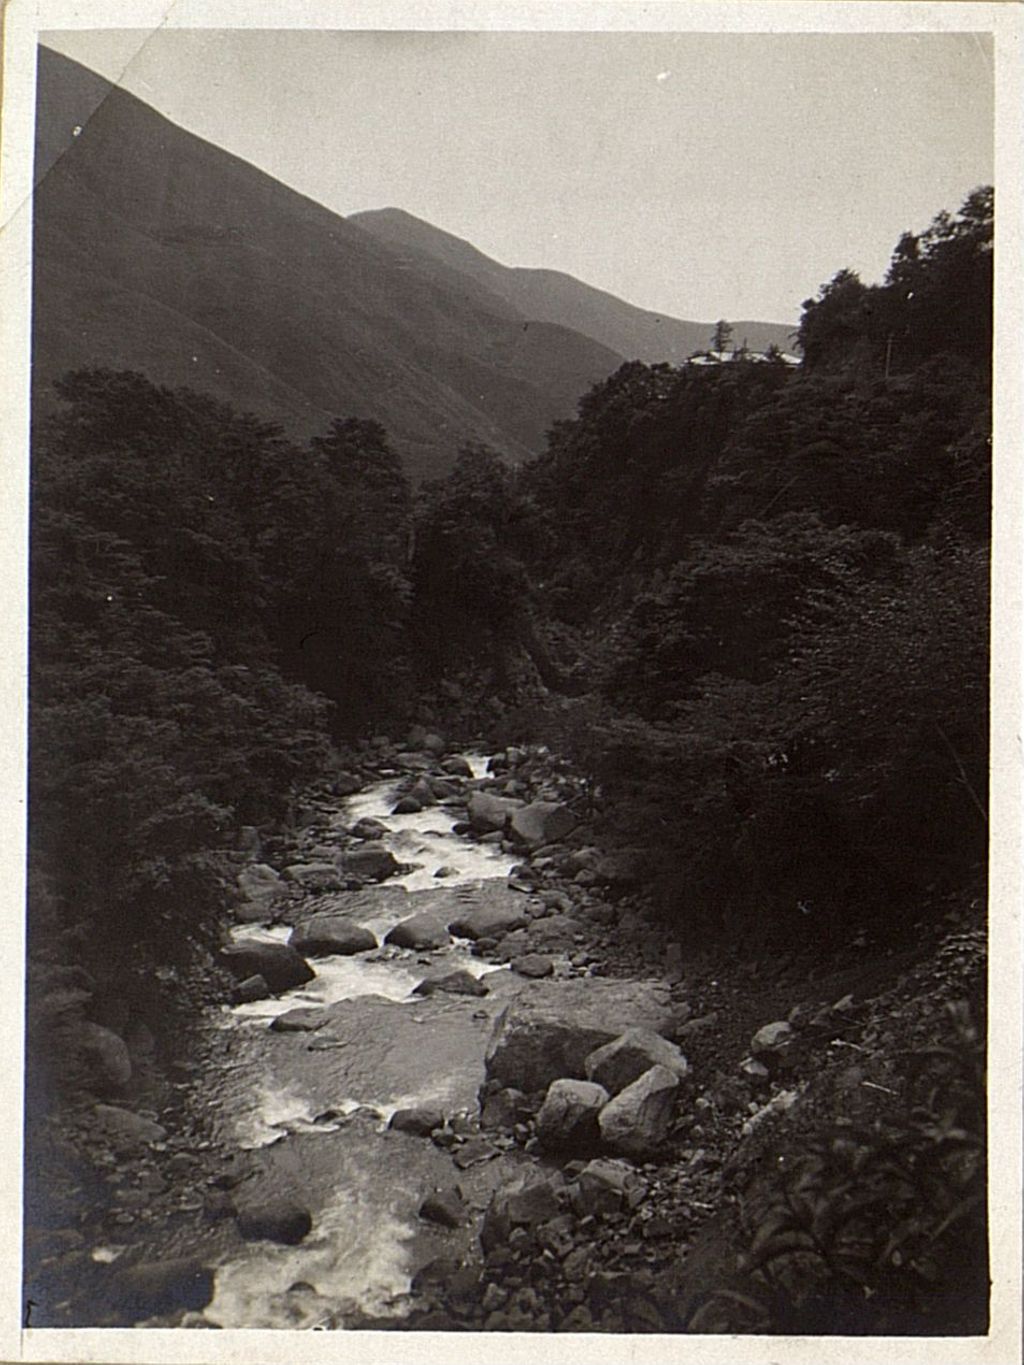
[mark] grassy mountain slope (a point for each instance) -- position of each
(159, 252)
(553, 296)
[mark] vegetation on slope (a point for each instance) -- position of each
(751, 603)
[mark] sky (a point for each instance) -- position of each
(700, 175)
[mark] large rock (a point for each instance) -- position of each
(368, 828)
(251, 989)
(281, 967)
(625, 1059)
(370, 863)
(636, 1121)
(314, 876)
(550, 1029)
(260, 883)
(420, 1121)
(457, 766)
(491, 919)
(568, 1116)
(488, 813)
(126, 1128)
(542, 822)
(459, 982)
(604, 1187)
(155, 1288)
(324, 935)
(419, 932)
(106, 1056)
(273, 1219)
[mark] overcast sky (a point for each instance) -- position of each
(702, 175)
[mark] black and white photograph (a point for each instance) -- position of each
(519, 834)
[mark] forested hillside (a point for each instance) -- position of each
(749, 603)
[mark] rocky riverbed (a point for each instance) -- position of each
(460, 1081)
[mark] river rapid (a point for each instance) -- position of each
(311, 1109)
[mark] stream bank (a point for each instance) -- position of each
(353, 1153)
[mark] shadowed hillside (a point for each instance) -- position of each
(158, 252)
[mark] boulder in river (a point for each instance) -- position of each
(489, 814)
(281, 967)
(321, 876)
(622, 1061)
(496, 912)
(636, 1121)
(451, 983)
(419, 932)
(534, 965)
(368, 828)
(251, 989)
(568, 1116)
(542, 822)
(370, 863)
(273, 1219)
(326, 935)
(457, 766)
(406, 805)
(420, 1121)
(550, 1029)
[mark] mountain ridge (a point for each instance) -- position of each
(636, 333)
(282, 307)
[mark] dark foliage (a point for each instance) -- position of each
(782, 578)
(193, 576)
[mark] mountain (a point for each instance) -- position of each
(158, 252)
(551, 296)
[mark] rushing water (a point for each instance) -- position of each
(313, 1108)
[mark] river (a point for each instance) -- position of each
(312, 1109)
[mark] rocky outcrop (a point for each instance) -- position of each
(568, 1116)
(281, 966)
(636, 1121)
(326, 935)
(625, 1059)
(549, 1031)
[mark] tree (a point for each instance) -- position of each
(721, 337)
